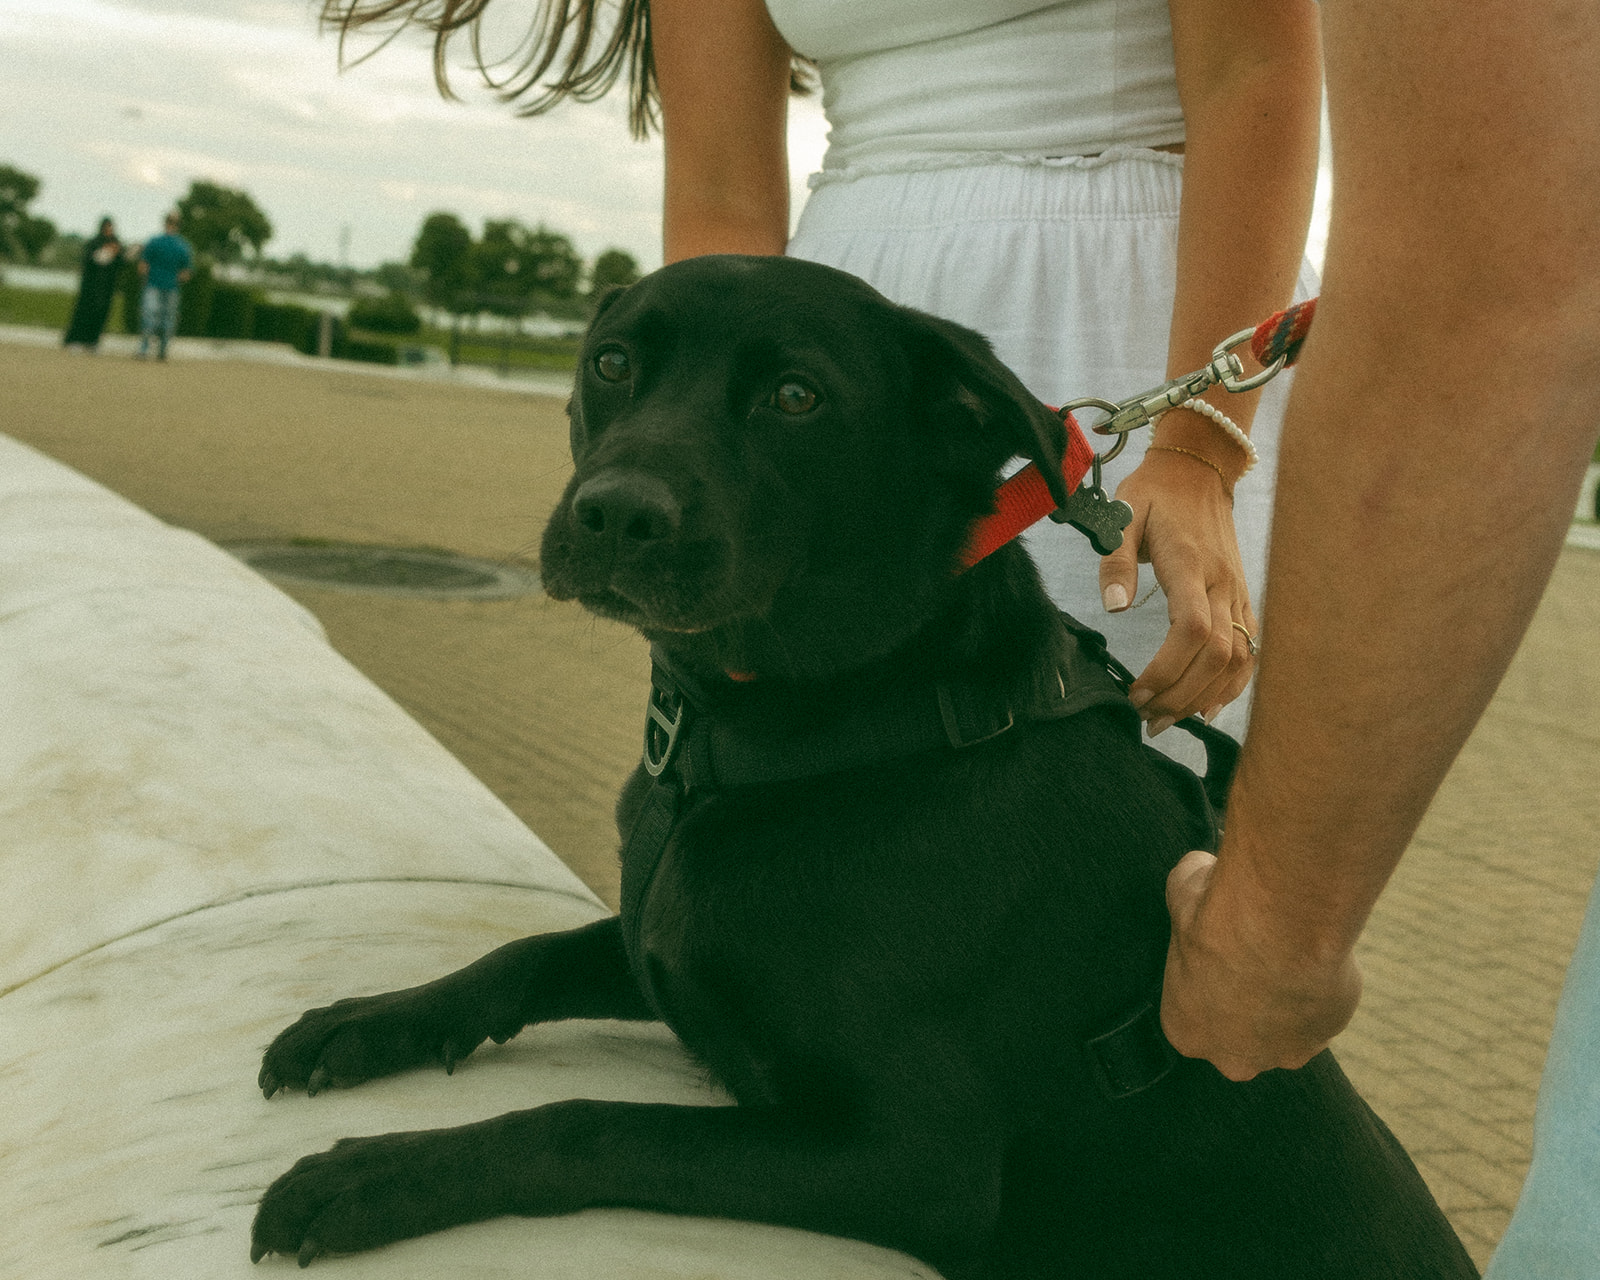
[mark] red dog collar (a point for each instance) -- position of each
(1024, 499)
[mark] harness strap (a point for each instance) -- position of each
(734, 750)
(648, 838)
(1222, 749)
(1133, 1056)
(693, 757)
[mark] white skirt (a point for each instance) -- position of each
(1068, 267)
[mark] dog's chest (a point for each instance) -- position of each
(781, 934)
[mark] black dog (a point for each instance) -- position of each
(893, 865)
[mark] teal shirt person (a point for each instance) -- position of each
(167, 256)
(164, 263)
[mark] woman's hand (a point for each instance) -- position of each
(1183, 527)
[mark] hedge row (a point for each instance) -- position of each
(213, 308)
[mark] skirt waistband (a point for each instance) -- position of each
(1123, 183)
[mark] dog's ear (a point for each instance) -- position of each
(959, 377)
(611, 294)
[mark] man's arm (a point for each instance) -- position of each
(1441, 420)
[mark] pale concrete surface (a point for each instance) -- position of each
(210, 821)
(541, 701)
(1464, 956)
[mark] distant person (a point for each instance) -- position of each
(164, 264)
(102, 259)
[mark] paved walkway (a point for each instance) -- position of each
(1463, 958)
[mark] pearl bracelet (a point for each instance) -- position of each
(1235, 433)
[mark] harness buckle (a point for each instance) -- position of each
(662, 728)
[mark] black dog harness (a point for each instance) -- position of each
(691, 753)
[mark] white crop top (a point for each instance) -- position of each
(914, 84)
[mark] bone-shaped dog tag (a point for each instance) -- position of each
(1097, 517)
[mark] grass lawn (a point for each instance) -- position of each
(50, 309)
(559, 354)
(42, 308)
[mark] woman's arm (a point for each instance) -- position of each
(1249, 78)
(1445, 408)
(722, 71)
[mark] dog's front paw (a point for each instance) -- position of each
(366, 1192)
(371, 1036)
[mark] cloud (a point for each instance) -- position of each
(119, 104)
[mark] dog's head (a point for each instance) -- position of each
(779, 463)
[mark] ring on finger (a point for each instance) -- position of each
(1255, 646)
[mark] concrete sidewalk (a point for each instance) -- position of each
(1464, 956)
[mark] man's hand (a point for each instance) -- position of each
(1238, 994)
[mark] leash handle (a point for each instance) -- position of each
(1280, 336)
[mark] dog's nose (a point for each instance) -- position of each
(628, 506)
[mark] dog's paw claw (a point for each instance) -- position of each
(319, 1081)
(450, 1059)
(258, 1252)
(310, 1250)
(269, 1083)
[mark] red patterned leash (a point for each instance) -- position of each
(1024, 499)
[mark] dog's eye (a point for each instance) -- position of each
(613, 365)
(794, 397)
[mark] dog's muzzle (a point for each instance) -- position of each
(623, 512)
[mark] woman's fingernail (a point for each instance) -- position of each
(1115, 598)
(1158, 727)
(1139, 697)
(1212, 713)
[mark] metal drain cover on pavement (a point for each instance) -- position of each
(406, 571)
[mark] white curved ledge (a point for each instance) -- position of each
(209, 822)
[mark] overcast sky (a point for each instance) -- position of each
(117, 105)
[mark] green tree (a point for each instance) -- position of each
(501, 269)
(397, 277)
(65, 252)
(22, 234)
(391, 314)
(613, 269)
(442, 254)
(515, 269)
(221, 223)
(556, 266)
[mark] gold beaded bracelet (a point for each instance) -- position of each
(1200, 457)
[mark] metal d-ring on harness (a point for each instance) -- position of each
(1275, 345)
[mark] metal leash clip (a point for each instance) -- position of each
(1101, 518)
(1122, 416)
